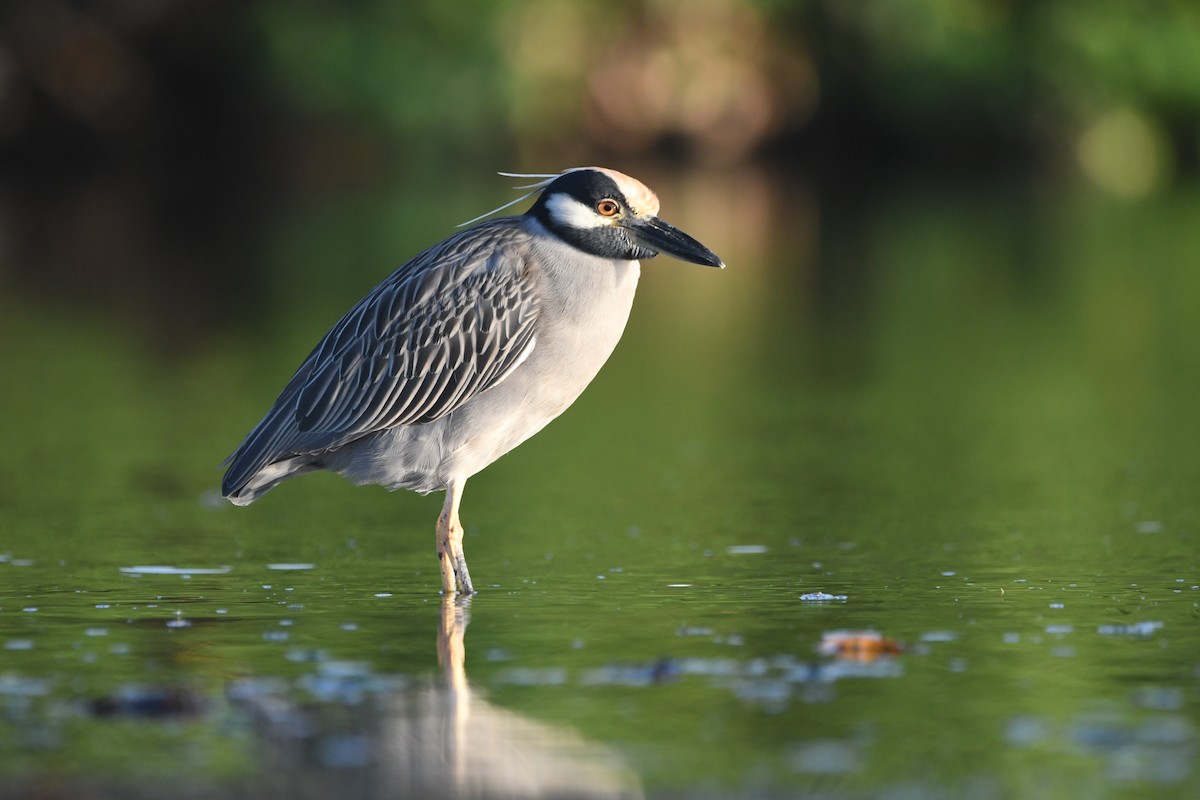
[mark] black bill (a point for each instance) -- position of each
(663, 237)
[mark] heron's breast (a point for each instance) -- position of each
(577, 332)
(579, 328)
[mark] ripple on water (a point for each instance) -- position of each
(1141, 630)
(160, 569)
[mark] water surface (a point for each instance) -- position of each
(960, 423)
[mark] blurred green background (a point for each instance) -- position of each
(950, 374)
(146, 148)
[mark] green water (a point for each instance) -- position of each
(970, 414)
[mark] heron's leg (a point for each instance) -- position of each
(444, 554)
(456, 542)
(451, 557)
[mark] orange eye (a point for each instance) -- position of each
(607, 208)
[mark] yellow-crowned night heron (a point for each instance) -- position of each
(467, 350)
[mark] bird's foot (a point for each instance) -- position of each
(463, 575)
(456, 578)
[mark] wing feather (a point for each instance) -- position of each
(444, 327)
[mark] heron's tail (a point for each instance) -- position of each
(243, 488)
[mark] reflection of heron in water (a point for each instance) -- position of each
(432, 740)
(448, 741)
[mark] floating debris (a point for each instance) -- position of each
(858, 645)
(823, 597)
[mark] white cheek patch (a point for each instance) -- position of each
(566, 210)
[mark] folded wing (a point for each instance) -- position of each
(446, 326)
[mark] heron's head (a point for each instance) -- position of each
(609, 214)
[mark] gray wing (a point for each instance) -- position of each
(444, 327)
